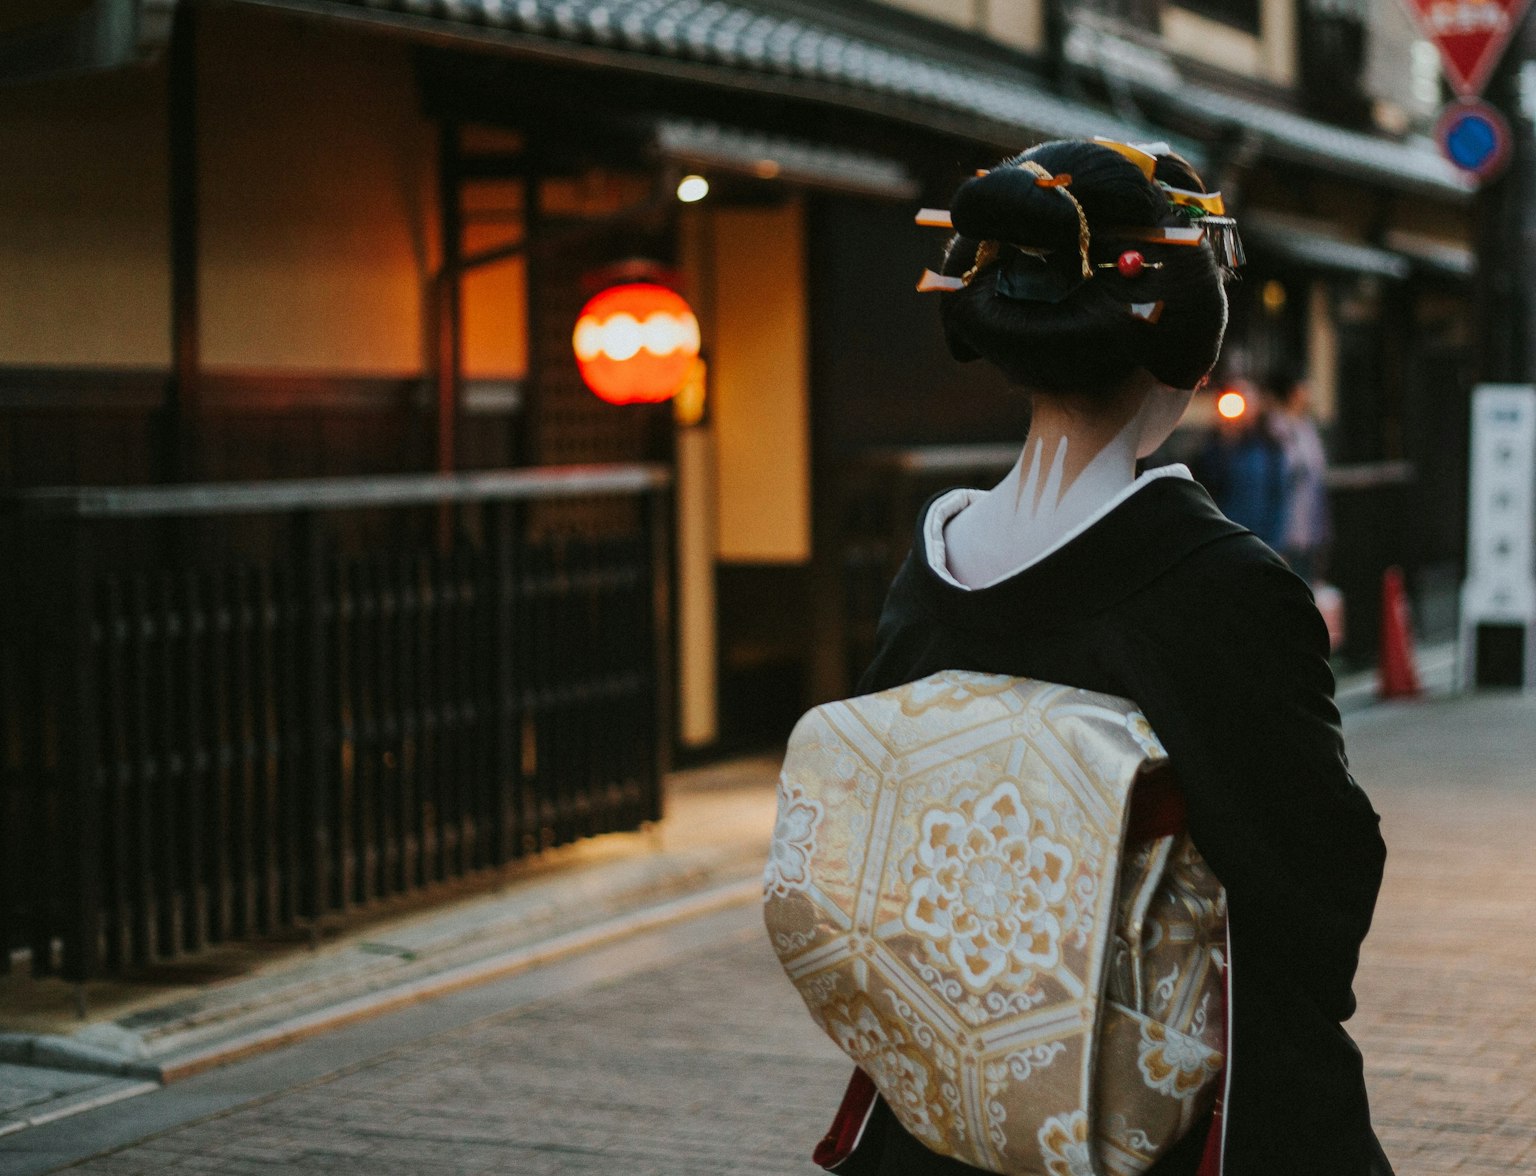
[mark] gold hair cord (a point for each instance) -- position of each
(986, 254)
(1040, 174)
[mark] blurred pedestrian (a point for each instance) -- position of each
(1245, 467)
(1308, 521)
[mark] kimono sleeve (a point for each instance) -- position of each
(1243, 701)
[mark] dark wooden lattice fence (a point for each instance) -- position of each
(232, 710)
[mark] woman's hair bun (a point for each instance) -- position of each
(1087, 341)
(1008, 204)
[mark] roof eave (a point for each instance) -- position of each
(966, 125)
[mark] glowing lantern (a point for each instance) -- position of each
(636, 343)
(1231, 405)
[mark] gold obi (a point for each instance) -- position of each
(950, 891)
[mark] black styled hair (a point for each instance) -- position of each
(1088, 343)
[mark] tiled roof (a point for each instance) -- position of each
(1149, 75)
(1413, 164)
(734, 42)
(758, 47)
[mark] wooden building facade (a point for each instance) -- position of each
(259, 240)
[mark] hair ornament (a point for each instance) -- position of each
(1131, 264)
(1044, 179)
(1225, 242)
(986, 253)
(1200, 204)
(932, 283)
(1026, 275)
(1143, 155)
(1029, 275)
(1161, 236)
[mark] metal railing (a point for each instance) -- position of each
(235, 710)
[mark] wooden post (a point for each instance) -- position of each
(449, 299)
(525, 442)
(179, 460)
(68, 620)
(315, 722)
(656, 517)
(503, 522)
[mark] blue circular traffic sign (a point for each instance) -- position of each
(1474, 137)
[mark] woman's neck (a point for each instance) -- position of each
(1069, 456)
(1072, 464)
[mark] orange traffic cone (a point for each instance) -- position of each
(1397, 676)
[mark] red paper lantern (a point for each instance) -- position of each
(636, 343)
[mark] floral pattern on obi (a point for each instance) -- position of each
(1146, 738)
(1064, 1145)
(1174, 1064)
(950, 894)
(951, 690)
(989, 888)
(794, 842)
(885, 1049)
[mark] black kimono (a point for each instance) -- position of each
(1166, 602)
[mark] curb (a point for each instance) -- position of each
(57, 1052)
(433, 941)
(1437, 666)
(184, 1065)
(79, 1106)
(495, 967)
(53, 1051)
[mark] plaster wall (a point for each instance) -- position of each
(1016, 23)
(320, 210)
(1270, 56)
(1323, 352)
(760, 386)
(956, 12)
(84, 237)
(318, 214)
(317, 200)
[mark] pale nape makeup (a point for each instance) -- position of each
(1072, 464)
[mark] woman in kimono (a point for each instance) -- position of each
(1072, 270)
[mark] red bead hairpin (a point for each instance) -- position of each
(1131, 263)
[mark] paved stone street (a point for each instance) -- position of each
(1447, 1015)
(711, 1066)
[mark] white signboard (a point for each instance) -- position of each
(1501, 527)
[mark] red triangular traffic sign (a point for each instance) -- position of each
(1471, 36)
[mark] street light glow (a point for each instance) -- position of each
(691, 189)
(1231, 405)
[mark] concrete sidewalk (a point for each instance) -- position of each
(245, 998)
(1447, 1010)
